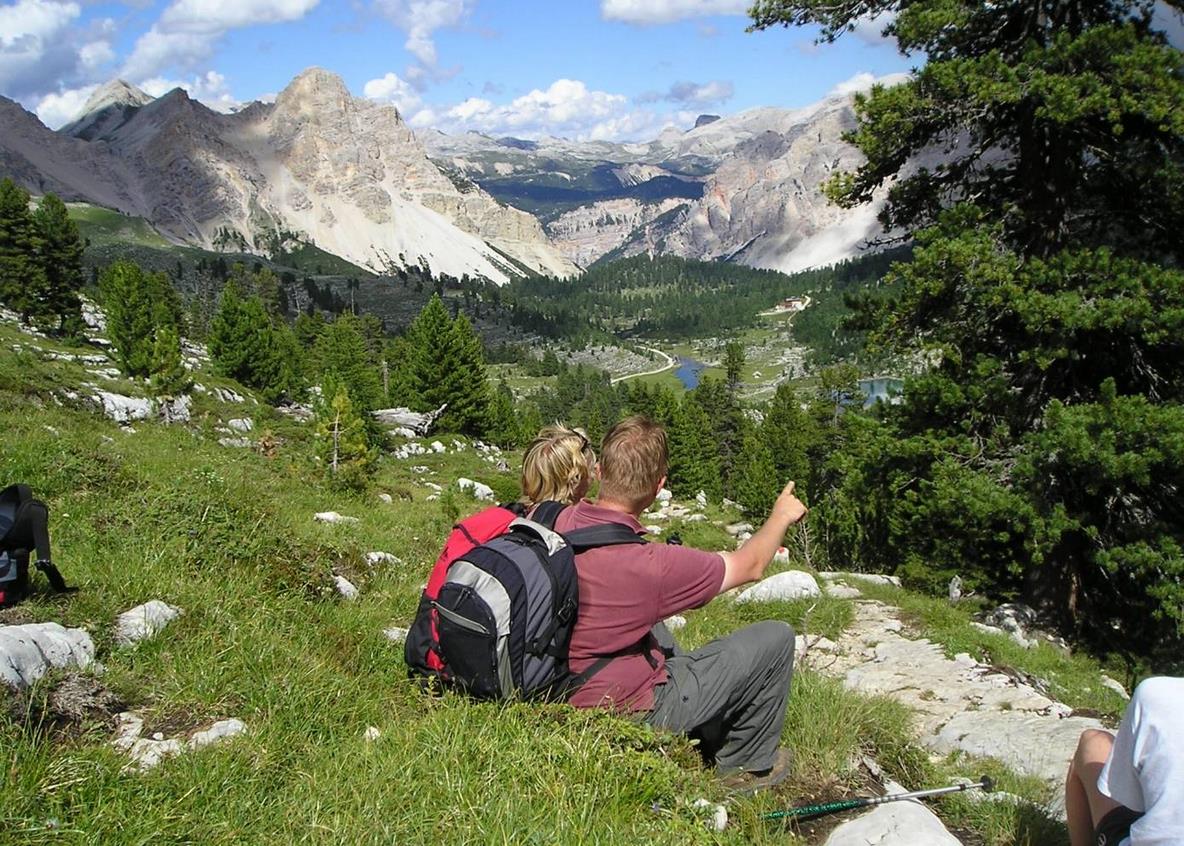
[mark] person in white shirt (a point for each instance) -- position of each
(1128, 789)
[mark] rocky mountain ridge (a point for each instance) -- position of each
(318, 166)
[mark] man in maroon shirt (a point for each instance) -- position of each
(730, 694)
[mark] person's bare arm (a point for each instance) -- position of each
(748, 563)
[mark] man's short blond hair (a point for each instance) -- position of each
(557, 465)
(633, 459)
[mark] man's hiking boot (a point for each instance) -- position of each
(743, 783)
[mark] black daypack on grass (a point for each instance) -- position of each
(24, 529)
(507, 609)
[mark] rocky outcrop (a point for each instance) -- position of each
(317, 166)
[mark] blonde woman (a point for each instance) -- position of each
(558, 465)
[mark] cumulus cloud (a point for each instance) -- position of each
(419, 19)
(692, 93)
(392, 89)
(871, 30)
(188, 30)
(863, 82)
(58, 109)
(668, 11)
(209, 88)
(568, 108)
(44, 50)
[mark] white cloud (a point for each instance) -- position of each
(863, 82)
(209, 89)
(667, 11)
(568, 108)
(419, 19)
(95, 54)
(871, 30)
(1170, 21)
(392, 89)
(692, 93)
(36, 45)
(56, 110)
(188, 30)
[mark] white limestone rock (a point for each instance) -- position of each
(675, 622)
(438, 447)
(701, 499)
(27, 652)
(654, 529)
(781, 556)
(345, 587)
(333, 517)
(227, 395)
(737, 529)
(241, 424)
(841, 591)
(792, 584)
(387, 498)
(144, 621)
(371, 734)
(376, 558)
(148, 752)
(123, 409)
(395, 634)
(716, 815)
(905, 823)
(874, 578)
(236, 443)
(175, 410)
(1115, 685)
(296, 411)
(665, 496)
(477, 489)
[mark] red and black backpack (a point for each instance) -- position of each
(421, 650)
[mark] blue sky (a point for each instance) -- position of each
(613, 69)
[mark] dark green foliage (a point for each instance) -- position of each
(61, 261)
(22, 276)
(169, 377)
(137, 304)
(341, 351)
(694, 456)
(733, 364)
(247, 345)
(446, 366)
(1038, 454)
(343, 446)
(756, 483)
(504, 428)
(790, 435)
(674, 297)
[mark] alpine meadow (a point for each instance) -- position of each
(268, 341)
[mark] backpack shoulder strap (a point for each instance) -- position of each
(546, 513)
(607, 534)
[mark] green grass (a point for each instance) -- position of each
(166, 513)
(102, 227)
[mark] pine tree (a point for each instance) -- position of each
(245, 345)
(61, 262)
(22, 277)
(756, 485)
(342, 444)
(169, 377)
(341, 351)
(131, 299)
(504, 428)
(733, 364)
(467, 385)
(790, 435)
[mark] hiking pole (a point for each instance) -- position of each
(823, 808)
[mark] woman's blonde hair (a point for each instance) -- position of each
(557, 466)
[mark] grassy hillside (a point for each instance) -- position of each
(227, 534)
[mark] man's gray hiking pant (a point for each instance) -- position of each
(730, 694)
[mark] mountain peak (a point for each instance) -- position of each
(314, 85)
(108, 107)
(117, 92)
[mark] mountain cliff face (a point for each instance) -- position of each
(317, 165)
(761, 174)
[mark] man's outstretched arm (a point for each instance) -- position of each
(748, 563)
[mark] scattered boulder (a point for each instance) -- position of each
(236, 443)
(371, 734)
(123, 409)
(376, 558)
(395, 634)
(144, 621)
(874, 578)
(905, 823)
(227, 395)
(438, 447)
(241, 424)
(654, 529)
(1115, 685)
(1017, 620)
(695, 518)
(665, 496)
(345, 587)
(147, 752)
(842, 591)
(737, 529)
(387, 498)
(477, 489)
(675, 622)
(701, 499)
(792, 584)
(333, 517)
(175, 410)
(407, 420)
(27, 652)
(296, 411)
